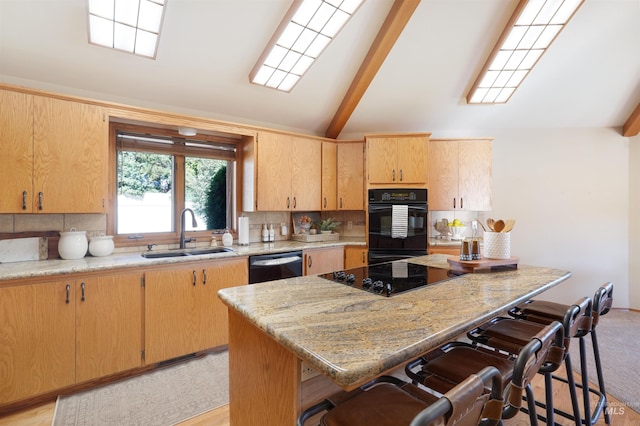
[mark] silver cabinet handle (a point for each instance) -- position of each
(309, 262)
(40, 200)
(195, 278)
(340, 202)
(461, 203)
(393, 175)
(325, 202)
(68, 291)
(24, 200)
(82, 286)
(204, 277)
(400, 175)
(288, 202)
(454, 202)
(294, 202)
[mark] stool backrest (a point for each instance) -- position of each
(542, 354)
(602, 302)
(468, 403)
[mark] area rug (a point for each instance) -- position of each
(619, 342)
(162, 397)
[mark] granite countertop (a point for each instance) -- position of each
(43, 268)
(351, 335)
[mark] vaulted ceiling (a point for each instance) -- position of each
(589, 78)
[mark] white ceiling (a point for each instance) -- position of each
(589, 78)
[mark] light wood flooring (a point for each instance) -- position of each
(43, 415)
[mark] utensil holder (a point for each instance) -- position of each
(497, 245)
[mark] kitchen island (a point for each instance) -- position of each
(350, 335)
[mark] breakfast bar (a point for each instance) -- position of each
(350, 335)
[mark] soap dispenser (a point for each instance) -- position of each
(265, 233)
(227, 238)
(272, 233)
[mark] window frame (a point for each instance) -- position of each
(179, 153)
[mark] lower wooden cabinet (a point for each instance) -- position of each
(323, 260)
(37, 339)
(182, 311)
(108, 325)
(355, 256)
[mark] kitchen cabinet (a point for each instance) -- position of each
(37, 337)
(16, 152)
(183, 314)
(108, 324)
(323, 260)
(64, 332)
(397, 159)
(449, 250)
(288, 174)
(350, 170)
(460, 175)
(329, 176)
(54, 155)
(355, 256)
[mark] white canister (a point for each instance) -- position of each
(73, 244)
(497, 245)
(101, 245)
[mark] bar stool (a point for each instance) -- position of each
(543, 311)
(442, 368)
(510, 334)
(389, 401)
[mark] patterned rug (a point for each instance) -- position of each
(619, 342)
(162, 397)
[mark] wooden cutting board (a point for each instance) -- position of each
(482, 264)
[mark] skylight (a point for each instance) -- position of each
(128, 25)
(307, 29)
(531, 30)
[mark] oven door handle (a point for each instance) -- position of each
(373, 208)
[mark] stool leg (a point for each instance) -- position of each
(571, 382)
(596, 356)
(585, 383)
(548, 391)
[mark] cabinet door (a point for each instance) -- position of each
(108, 325)
(172, 316)
(443, 175)
(16, 152)
(273, 172)
(71, 156)
(412, 159)
(306, 173)
(355, 256)
(329, 176)
(350, 176)
(321, 261)
(37, 339)
(475, 177)
(382, 160)
(215, 316)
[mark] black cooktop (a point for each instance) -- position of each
(391, 278)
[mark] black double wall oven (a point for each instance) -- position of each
(397, 232)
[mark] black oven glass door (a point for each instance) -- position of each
(380, 228)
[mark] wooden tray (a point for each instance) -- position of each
(482, 264)
(308, 238)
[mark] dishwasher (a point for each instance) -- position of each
(269, 267)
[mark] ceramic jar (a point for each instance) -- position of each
(73, 244)
(101, 245)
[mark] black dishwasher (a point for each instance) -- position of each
(269, 267)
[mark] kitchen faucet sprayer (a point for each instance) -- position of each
(193, 223)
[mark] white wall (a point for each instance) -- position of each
(568, 190)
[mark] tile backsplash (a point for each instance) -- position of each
(94, 224)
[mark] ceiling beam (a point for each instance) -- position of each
(632, 125)
(396, 20)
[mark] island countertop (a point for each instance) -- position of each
(351, 336)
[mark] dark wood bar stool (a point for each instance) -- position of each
(442, 368)
(389, 401)
(544, 312)
(509, 334)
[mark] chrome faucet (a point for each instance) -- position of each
(193, 223)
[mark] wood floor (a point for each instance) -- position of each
(43, 415)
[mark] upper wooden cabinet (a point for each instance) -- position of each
(460, 176)
(398, 159)
(329, 176)
(350, 176)
(288, 172)
(55, 155)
